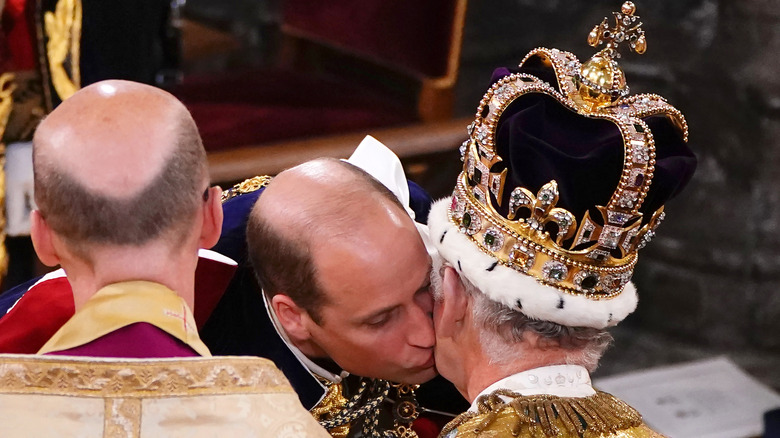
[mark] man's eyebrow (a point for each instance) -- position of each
(426, 281)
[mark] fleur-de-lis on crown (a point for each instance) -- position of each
(543, 210)
(627, 29)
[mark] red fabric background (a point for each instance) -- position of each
(413, 34)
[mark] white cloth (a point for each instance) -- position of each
(382, 163)
(557, 380)
(19, 197)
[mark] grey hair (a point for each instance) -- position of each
(501, 328)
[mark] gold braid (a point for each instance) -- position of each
(247, 186)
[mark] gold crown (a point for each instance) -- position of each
(596, 258)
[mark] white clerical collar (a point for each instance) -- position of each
(558, 380)
(305, 361)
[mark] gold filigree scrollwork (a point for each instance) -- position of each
(63, 30)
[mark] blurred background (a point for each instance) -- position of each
(274, 82)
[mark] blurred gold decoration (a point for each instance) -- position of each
(7, 87)
(63, 30)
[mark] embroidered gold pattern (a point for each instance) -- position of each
(506, 413)
(194, 397)
(139, 378)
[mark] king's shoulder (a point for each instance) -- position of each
(511, 415)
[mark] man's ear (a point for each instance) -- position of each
(453, 305)
(42, 238)
(212, 218)
(291, 317)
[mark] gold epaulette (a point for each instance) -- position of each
(247, 186)
(505, 413)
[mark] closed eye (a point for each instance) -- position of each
(381, 319)
(378, 322)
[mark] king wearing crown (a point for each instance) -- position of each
(564, 179)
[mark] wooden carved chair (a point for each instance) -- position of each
(53, 396)
(347, 68)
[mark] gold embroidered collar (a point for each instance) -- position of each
(121, 304)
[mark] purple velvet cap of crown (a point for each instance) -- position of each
(540, 140)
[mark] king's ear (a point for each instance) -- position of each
(292, 318)
(43, 239)
(212, 218)
(453, 304)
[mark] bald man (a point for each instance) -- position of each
(368, 308)
(345, 275)
(121, 185)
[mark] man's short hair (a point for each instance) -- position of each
(282, 259)
(165, 205)
(500, 327)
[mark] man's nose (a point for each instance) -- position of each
(420, 332)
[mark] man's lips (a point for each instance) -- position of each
(429, 363)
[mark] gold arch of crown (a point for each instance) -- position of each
(606, 251)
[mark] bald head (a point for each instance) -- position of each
(327, 197)
(113, 137)
(306, 208)
(119, 163)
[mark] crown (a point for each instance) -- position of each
(593, 255)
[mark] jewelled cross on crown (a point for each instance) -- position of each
(627, 29)
(600, 81)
